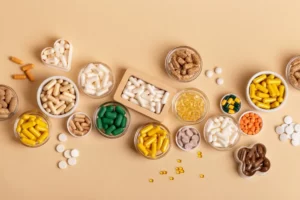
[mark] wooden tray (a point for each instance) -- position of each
(148, 79)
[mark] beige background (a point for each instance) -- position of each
(243, 37)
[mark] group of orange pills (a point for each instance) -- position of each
(25, 68)
(251, 123)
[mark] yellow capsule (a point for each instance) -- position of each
(231, 107)
(179, 160)
(264, 84)
(40, 122)
(28, 134)
(280, 99)
(43, 137)
(177, 168)
(153, 131)
(153, 150)
(140, 140)
(28, 125)
(275, 104)
(160, 142)
(230, 100)
(143, 149)
(256, 98)
(22, 135)
(201, 175)
(181, 171)
(273, 81)
(261, 88)
(254, 101)
(35, 132)
(199, 156)
(199, 153)
(231, 111)
(25, 117)
(151, 180)
(260, 78)
(143, 135)
(237, 100)
(269, 100)
(224, 102)
(28, 142)
(271, 91)
(20, 122)
(147, 128)
(271, 76)
(165, 145)
(262, 95)
(180, 168)
(276, 90)
(171, 178)
(162, 132)
(281, 90)
(149, 141)
(19, 129)
(252, 90)
(177, 172)
(263, 105)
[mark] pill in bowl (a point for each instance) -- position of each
(221, 132)
(79, 124)
(96, 80)
(230, 104)
(293, 72)
(9, 102)
(58, 96)
(267, 91)
(152, 140)
(187, 138)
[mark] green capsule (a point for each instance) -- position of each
(105, 126)
(118, 131)
(110, 108)
(227, 97)
(110, 115)
(124, 122)
(110, 129)
(120, 110)
(102, 111)
(236, 109)
(225, 109)
(99, 123)
(107, 121)
(236, 104)
(118, 120)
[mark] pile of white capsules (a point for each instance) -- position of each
(221, 132)
(96, 79)
(145, 95)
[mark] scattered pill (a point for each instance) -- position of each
(283, 137)
(19, 76)
(289, 130)
(179, 160)
(62, 164)
(171, 178)
(288, 119)
(72, 161)
(279, 130)
(60, 148)
(295, 142)
(74, 153)
(67, 154)
(151, 180)
(218, 70)
(297, 127)
(62, 137)
(16, 60)
(201, 175)
(209, 73)
(220, 81)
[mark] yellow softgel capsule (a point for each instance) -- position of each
(161, 172)
(151, 180)
(260, 78)
(179, 160)
(153, 150)
(28, 134)
(165, 145)
(171, 178)
(153, 131)
(201, 175)
(275, 104)
(41, 123)
(165, 172)
(275, 89)
(143, 149)
(43, 137)
(34, 132)
(263, 105)
(262, 95)
(146, 129)
(177, 172)
(269, 100)
(28, 125)
(281, 90)
(28, 141)
(261, 88)
(150, 141)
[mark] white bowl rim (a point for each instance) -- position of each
(285, 93)
(38, 96)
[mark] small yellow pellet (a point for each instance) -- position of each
(171, 178)
(199, 153)
(200, 156)
(180, 168)
(179, 160)
(177, 168)
(260, 78)
(151, 180)
(269, 100)
(201, 175)
(177, 172)
(165, 172)
(263, 105)
(181, 171)
(224, 102)
(16, 60)
(262, 95)
(146, 129)
(161, 172)
(261, 88)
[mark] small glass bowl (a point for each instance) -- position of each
(248, 113)
(17, 107)
(101, 131)
(38, 114)
(222, 148)
(112, 79)
(71, 117)
(137, 134)
(168, 60)
(176, 138)
(221, 107)
(191, 90)
(288, 69)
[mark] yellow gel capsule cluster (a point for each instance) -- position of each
(179, 170)
(267, 91)
(190, 106)
(32, 129)
(153, 140)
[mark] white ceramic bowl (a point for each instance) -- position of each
(39, 91)
(248, 92)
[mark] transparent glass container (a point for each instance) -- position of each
(288, 69)
(17, 107)
(71, 117)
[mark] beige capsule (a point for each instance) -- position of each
(56, 90)
(76, 119)
(60, 104)
(53, 99)
(49, 85)
(8, 96)
(69, 107)
(3, 116)
(61, 109)
(50, 91)
(3, 103)
(4, 111)
(65, 98)
(13, 104)
(77, 124)
(87, 120)
(79, 116)
(69, 95)
(72, 125)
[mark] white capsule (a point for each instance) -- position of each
(133, 100)
(217, 144)
(105, 80)
(151, 89)
(89, 68)
(103, 68)
(134, 81)
(159, 92)
(139, 90)
(141, 82)
(215, 130)
(131, 87)
(124, 96)
(92, 80)
(209, 125)
(48, 52)
(128, 93)
(210, 138)
(159, 96)
(82, 80)
(44, 57)
(165, 98)
(220, 135)
(101, 92)
(152, 109)
(108, 85)
(90, 91)
(224, 123)
(63, 60)
(67, 46)
(233, 138)
(129, 83)
(295, 142)
(141, 101)
(158, 107)
(62, 50)
(52, 61)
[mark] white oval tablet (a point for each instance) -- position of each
(62, 164)
(62, 137)
(279, 130)
(218, 70)
(67, 154)
(74, 153)
(283, 137)
(60, 148)
(288, 119)
(209, 73)
(72, 161)
(220, 81)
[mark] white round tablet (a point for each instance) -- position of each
(295, 136)
(279, 130)
(295, 142)
(283, 137)
(60, 148)
(220, 81)
(72, 161)
(289, 130)
(288, 119)
(209, 73)
(62, 164)
(74, 153)
(67, 154)
(62, 137)
(297, 127)
(218, 70)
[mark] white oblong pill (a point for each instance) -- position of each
(218, 70)
(62, 164)
(165, 98)
(75, 153)
(60, 148)
(67, 154)
(72, 161)
(288, 119)
(289, 130)
(103, 68)
(295, 142)
(124, 96)
(283, 137)
(220, 81)
(210, 138)
(62, 137)
(217, 144)
(209, 73)
(279, 130)
(133, 100)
